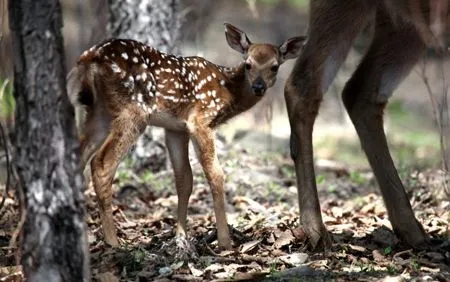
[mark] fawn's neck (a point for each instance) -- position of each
(238, 86)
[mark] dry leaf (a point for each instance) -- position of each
(295, 259)
(285, 238)
(377, 256)
(248, 246)
(107, 277)
(215, 267)
(195, 271)
(337, 212)
(249, 276)
(357, 248)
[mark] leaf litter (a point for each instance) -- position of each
(269, 243)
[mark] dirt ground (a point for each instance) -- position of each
(269, 244)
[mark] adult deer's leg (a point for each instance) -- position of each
(177, 144)
(395, 49)
(329, 39)
(125, 129)
(204, 142)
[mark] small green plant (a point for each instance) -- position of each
(273, 267)
(357, 178)
(288, 171)
(320, 178)
(134, 259)
(392, 270)
(148, 177)
(232, 163)
(162, 183)
(123, 176)
(415, 265)
(387, 250)
(367, 267)
(274, 189)
(332, 188)
(7, 101)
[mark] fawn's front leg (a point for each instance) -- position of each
(177, 144)
(204, 142)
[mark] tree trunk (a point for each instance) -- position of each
(156, 23)
(54, 243)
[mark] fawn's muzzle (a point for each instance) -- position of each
(259, 86)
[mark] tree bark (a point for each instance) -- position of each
(54, 243)
(156, 23)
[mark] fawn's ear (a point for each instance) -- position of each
(292, 47)
(236, 38)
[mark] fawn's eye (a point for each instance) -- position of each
(248, 66)
(274, 68)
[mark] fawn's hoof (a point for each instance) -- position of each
(184, 249)
(112, 240)
(225, 244)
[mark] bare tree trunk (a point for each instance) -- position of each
(156, 23)
(54, 244)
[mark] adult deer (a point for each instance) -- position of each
(401, 35)
(123, 86)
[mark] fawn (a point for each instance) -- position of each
(402, 31)
(121, 86)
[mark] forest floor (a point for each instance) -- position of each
(262, 208)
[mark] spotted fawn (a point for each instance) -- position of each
(120, 87)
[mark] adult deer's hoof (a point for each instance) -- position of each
(433, 244)
(318, 239)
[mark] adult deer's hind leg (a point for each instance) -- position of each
(125, 129)
(329, 39)
(177, 144)
(395, 49)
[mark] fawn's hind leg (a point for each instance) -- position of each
(125, 129)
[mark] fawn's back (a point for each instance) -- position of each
(167, 89)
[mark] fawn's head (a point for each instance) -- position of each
(262, 60)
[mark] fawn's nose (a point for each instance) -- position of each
(259, 86)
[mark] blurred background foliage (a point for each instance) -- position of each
(410, 124)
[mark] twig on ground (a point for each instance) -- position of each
(249, 258)
(208, 248)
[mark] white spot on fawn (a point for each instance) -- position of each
(124, 55)
(115, 68)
